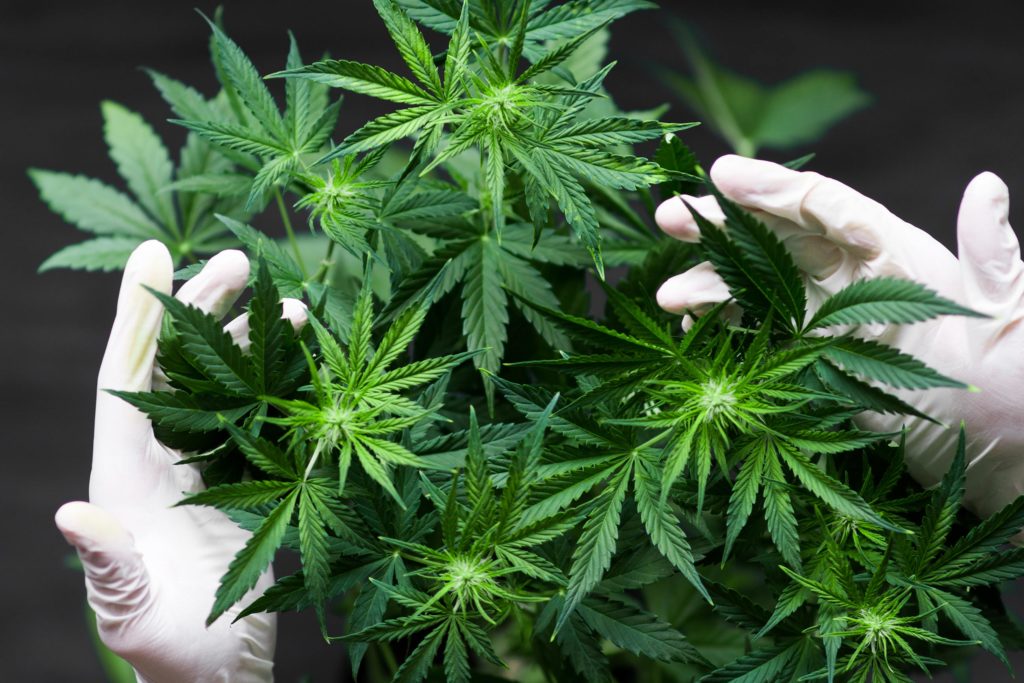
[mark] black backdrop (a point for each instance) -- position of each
(948, 103)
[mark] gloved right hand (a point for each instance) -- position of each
(152, 569)
(837, 236)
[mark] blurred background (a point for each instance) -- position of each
(946, 88)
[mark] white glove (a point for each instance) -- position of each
(151, 569)
(837, 236)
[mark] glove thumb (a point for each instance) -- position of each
(988, 249)
(116, 580)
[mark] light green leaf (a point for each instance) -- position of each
(100, 253)
(142, 160)
(93, 206)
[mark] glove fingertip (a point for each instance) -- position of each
(295, 312)
(674, 218)
(90, 528)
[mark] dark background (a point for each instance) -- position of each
(948, 103)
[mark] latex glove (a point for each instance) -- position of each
(151, 569)
(836, 236)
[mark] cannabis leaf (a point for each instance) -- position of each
(511, 120)
(751, 116)
(271, 145)
(357, 404)
(214, 382)
(182, 219)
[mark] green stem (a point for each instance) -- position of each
(286, 219)
(325, 265)
(389, 657)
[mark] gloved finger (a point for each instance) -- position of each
(219, 284)
(116, 579)
(818, 205)
(121, 431)
(128, 359)
(697, 290)
(292, 310)
(127, 468)
(675, 219)
(987, 246)
(813, 254)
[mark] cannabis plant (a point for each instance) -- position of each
(590, 498)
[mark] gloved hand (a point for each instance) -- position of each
(837, 236)
(152, 569)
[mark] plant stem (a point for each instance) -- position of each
(389, 657)
(325, 265)
(286, 219)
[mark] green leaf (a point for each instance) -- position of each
(248, 564)
(262, 453)
(415, 667)
(142, 160)
(313, 546)
(942, 508)
(242, 495)
(593, 554)
(673, 155)
(835, 494)
(204, 339)
(388, 128)
(578, 644)
(877, 361)
(760, 666)
(558, 182)
(801, 109)
(1006, 565)
(456, 657)
(184, 100)
(969, 620)
(93, 206)
(237, 137)
(778, 511)
(269, 333)
(868, 396)
(182, 412)
(744, 493)
(755, 264)
(247, 82)
(411, 44)
(362, 78)
(664, 528)
(523, 280)
(884, 300)
(556, 56)
(615, 130)
(985, 537)
(637, 631)
(572, 18)
(100, 253)
(485, 309)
